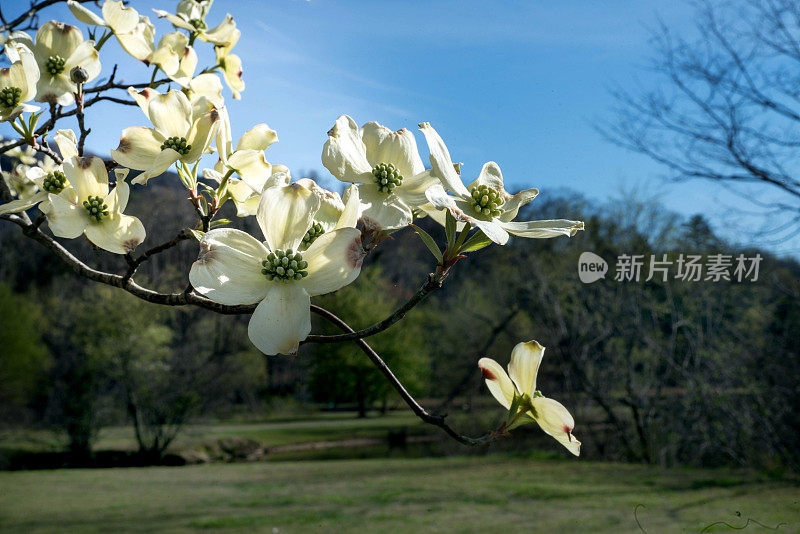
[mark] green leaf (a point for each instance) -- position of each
(219, 222)
(197, 233)
(476, 242)
(429, 242)
(450, 228)
(203, 205)
(461, 237)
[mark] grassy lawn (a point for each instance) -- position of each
(478, 494)
(320, 427)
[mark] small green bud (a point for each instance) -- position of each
(10, 97)
(387, 177)
(178, 144)
(284, 266)
(95, 208)
(486, 201)
(55, 65)
(55, 182)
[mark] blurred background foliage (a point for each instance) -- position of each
(700, 373)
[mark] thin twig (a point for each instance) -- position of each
(32, 11)
(134, 264)
(419, 411)
(428, 287)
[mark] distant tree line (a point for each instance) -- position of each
(661, 372)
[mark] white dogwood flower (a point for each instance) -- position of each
(58, 49)
(516, 391)
(386, 164)
(485, 203)
(18, 82)
(177, 134)
(134, 32)
(191, 15)
(235, 268)
(85, 206)
(31, 185)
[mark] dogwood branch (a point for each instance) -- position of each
(417, 408)
(434, 282)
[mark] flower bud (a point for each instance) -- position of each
(78, 75)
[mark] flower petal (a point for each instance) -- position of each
(56, 39)
(543, 229)
(412, 190)
(121, 19)
(228, 269)
(56, 89)
(491, 176)
(352, 209)
(86, 57)
(67, 143)
(159, 166)
(200, 135)
(259, 137)
(381, 211)
(171, 114)
(139, 41)
(138, 148)
(84, 15)
(87, 176)
(500, 386)
(285, 212)
(207, 85)
(117, 199)
(441, 161)
(117, 233)
(524, 366)
(345, 154)
(233, 75)
(334, 261)
(251, 166)
(331, 205)
(386, 146)
(64, 218)
(512, 205)
(556, 421)
(282, 320)
(175, 20)
(22, 204)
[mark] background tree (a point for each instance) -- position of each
(727, 107)
(341, 374)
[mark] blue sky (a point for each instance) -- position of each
(519, 82)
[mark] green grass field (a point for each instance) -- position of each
(462, 494)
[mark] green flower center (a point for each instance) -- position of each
(198, 24)
(486, 201)
(285, 266)
(55, 65)
(10, 96)
(55, 182)
(178, 144)
(95, 208)
(313, 233)
(387, 177)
